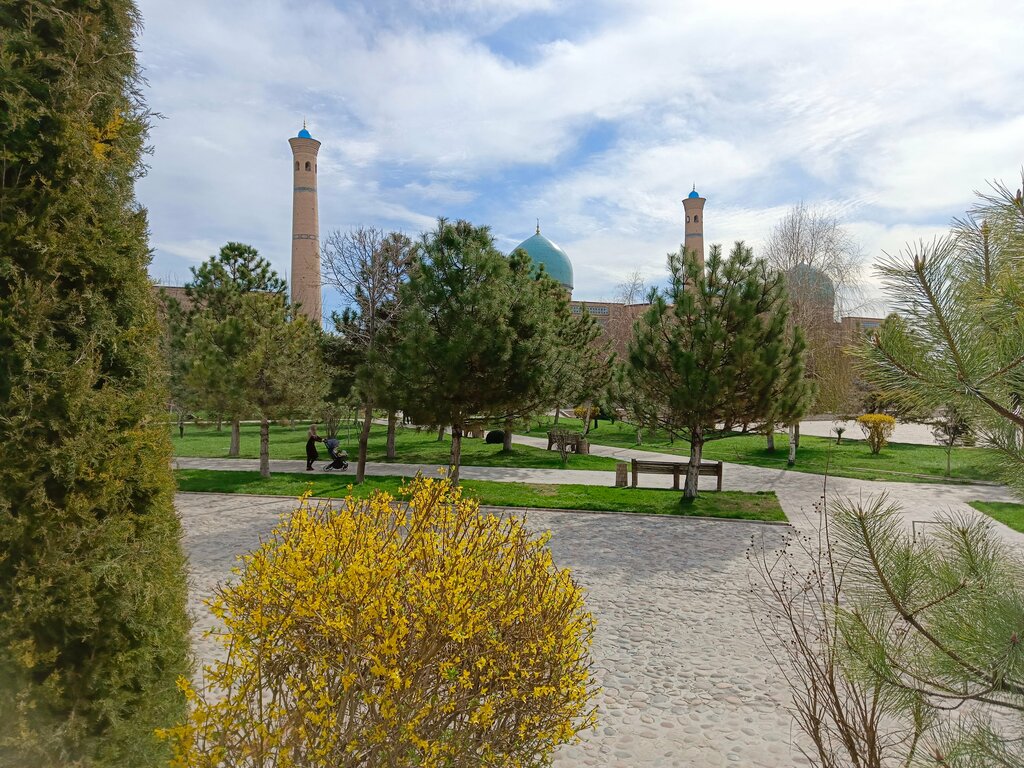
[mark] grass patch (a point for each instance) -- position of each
(897, 462)
(727, 504)
(411, 447)
(1007, 513)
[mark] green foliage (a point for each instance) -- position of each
(348, 646)
(473, 340)
(936, 623)
(958, 339)
(877, 429)
(901, 462)
(414, 447)
(951, 429)
(273, 354)
(715, 350)
(93, 627)
(213, 375)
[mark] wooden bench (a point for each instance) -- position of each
(676, 469)
(574, 441)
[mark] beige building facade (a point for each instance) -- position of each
(305, 271)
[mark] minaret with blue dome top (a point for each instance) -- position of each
(305, 274)
(693, 204)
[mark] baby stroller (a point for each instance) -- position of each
(339, 459)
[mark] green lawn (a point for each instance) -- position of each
(1005, 512)
(412, 447)
(897, 461)
(727, 504)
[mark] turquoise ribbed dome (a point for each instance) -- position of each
(694, 194)
(304, 134)
(811, 285)
(556, 263)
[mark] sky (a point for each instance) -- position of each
(594, 117)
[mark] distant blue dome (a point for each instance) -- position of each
(693, 194)
(304, 134)
(556, 263)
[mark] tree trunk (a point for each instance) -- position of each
(639, 437)
(364, 441)
(586, 418)
(392, 422)
(558, 412)
(219, 424)
(440, 433)
(693, 470)
(796, 433)
(794, 442)
(507, 444)
(236, 439)
(771, 437)
(456, 454)
(264, 447)
(949, 468)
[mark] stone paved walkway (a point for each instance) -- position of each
(686, 679)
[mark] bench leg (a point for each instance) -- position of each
(634, 473)
(719, 477)
(675, 478)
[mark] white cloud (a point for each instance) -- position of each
(891, 114)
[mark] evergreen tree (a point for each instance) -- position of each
(713, 350)
(957, 340)
(93, 626)
(457, 336)
(216, 294)
(273, 354)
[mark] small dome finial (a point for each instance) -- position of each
(538, 226)
(694, 183)
(303, 121)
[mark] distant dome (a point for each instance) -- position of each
(556, 263)
(810, 284)
(304, 134)
(693, 194)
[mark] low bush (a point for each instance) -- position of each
(877, 428)
(495, 437)
(376, 634)
(580, 412)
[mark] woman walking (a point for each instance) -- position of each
(311, 452)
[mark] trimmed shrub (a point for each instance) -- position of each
(580, 412)
(377, 634)
(877, 428)
(495, 437)
(93, 626)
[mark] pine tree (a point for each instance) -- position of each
(93, 626)
(457, 337)
(957, 339)
(713, 350)
(270, 353)
(216, 294)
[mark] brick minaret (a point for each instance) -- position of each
(694, 206)
(305, 275)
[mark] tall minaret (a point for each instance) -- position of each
(693, 203)
(305, 276)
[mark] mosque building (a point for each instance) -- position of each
(609, 313)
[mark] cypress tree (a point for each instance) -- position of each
(93, 624)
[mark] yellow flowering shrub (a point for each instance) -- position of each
(580, 412)
(422, 633)
(877, 429)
